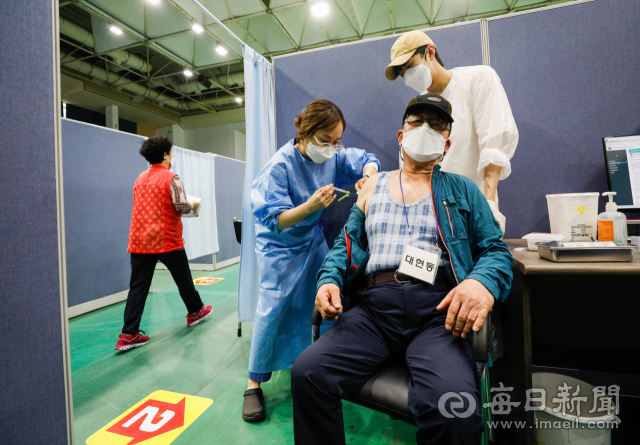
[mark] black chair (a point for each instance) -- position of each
(237, 227)
(387, 391)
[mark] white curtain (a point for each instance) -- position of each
(196, 171)
(261, 145)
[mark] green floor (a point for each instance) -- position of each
(208, 360)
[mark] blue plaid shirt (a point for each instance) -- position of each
(386, 227)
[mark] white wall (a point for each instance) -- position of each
(218, 139)
(174, 132)
(241, 145)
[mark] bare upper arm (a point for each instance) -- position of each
(367, 192)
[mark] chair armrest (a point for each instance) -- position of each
(237, 227)
(481, 340)
(316, 321)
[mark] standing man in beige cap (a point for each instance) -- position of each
(486, 136)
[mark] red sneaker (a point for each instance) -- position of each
(203, 313)
(131, 341)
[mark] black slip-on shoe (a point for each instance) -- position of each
(253, 406)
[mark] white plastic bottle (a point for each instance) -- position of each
(612, 225)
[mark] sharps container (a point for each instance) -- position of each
(574, 215)
(577, 426)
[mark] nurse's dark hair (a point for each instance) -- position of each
(320, 114)
(423, 50)
(154, 149)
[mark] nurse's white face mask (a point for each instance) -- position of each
(320, 153)
(418, 77)
(423, 144)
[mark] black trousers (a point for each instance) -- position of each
(142, 267)
(391, 322)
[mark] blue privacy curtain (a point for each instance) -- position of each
(261, 145)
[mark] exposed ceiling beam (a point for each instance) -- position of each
(422, 10)
(226, 2)
(95, 54)
(433, 19)
(91, 9)
(326, 36)
(121, 97)
(393, 25)
(252, 36)
(207, 29)
(144, 78)
(373, 2)
(346, 17)
(304, 27)
(355, 18)
(469, 9)
(73, 90)
(266, 11)
(168, 36)
(277, 20)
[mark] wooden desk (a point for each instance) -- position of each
(577, 319)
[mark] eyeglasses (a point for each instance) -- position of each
(436, 123)
(326, 145)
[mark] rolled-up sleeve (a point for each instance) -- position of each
(351, 162)
(495, 125)
(179, 196)
(270, 196)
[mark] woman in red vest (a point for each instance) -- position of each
(159, 200)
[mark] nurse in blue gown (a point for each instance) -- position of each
(288, 198)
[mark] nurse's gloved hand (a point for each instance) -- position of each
(321, 198)
(360, 183)
(328, 301)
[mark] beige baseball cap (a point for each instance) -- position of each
(403, 49)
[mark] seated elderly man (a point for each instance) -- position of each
(428, 242)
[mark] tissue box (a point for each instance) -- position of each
(535, 237)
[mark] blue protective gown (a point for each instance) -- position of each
(289, 259)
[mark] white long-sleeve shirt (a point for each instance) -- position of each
(484, 131)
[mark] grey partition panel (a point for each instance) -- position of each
(572, 77)
(229, 184)
(206, 259)
(352, 75)
(32, 379)
(100, 168)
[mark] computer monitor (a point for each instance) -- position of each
(622, 158)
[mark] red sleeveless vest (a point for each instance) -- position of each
(156, 226)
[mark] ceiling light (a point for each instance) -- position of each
(154, 2)
(221, 50)
(114, 29)
(197, 28)
(187, 72)
(239, 100)
(320, 9)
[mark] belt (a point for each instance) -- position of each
(386, 276)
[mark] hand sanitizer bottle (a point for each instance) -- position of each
(612, 225)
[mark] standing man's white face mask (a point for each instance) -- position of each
(419, 77)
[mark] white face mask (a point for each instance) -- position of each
(423, 144)
(418, 77)
(322, 152)
(172, 161)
